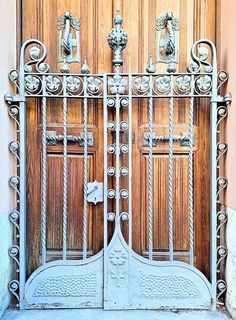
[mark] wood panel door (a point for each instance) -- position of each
(39, 20)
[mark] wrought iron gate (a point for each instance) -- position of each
(117, 277)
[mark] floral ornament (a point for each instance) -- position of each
(117, 257)
(31, 83)
(117, 84)
(204, 83)
(93, 84)
(183, 82)
(73, 83)
(142, 84)
(163, 83)
(53, 83)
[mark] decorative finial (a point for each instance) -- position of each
(151, 68)
(85, 67)
(117, 40)
(167, 28)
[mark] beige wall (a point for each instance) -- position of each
(227, 26)
(7, 133)
(228, 62)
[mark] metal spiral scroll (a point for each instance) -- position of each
(222, 217)
(14, 183)
(37, 55)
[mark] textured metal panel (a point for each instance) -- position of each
(134, 282)
(66, 284)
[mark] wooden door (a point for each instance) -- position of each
(39, 20)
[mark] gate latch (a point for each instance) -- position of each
(95, 192)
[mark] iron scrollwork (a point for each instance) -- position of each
(14, 183)
(222, 182)
(38, 82)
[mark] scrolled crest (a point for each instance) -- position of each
(201, 52)
(33, 54)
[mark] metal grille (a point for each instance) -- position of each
(117, 278)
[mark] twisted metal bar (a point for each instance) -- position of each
(85, 219)
(190, 174)
(44, 180)
(130, 162)
(170, 171)
(150, 175)
(65, 170)
(170, 45)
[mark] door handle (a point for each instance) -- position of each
(53, 138)
(183, 138)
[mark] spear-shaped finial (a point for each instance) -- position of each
(117, 40)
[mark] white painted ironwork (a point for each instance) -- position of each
(150, 174)
(190, 175)
(170, 171)
(44, 177)
(117, 277)
(65, 172)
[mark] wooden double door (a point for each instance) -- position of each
(39, 20)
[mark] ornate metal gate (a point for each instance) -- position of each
(117, 277)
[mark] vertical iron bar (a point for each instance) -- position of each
(130, 161)
(22, 201)
(150, 173)
(213, 176)
(23, 207)
(213, 188)
(190, 170)
(117, 156)
(85, 222)
(44, 175)
(105, 120)
(65, 169)
(170, 169)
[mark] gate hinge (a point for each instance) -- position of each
(224, 100)
(10, 98)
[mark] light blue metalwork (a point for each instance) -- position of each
(117, 277)
(150, 172)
